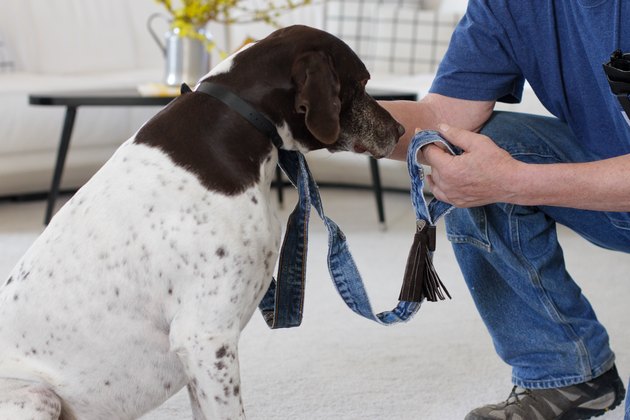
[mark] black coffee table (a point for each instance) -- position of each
(72, 100)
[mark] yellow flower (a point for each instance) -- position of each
(190, 15)
(200, 12)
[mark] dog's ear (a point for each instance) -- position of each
(317, 94)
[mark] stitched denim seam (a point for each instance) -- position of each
(540, 155)
(483, 243)
(568, 381)
(619, 224)
(544, 298)
(463, 239)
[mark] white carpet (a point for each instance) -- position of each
(339, 366)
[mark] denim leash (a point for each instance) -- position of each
(282, 305)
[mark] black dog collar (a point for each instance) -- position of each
(247, 111)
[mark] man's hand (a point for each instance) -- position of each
(481, 175)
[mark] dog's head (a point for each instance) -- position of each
(312, 85)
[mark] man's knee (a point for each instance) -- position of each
(534, 138)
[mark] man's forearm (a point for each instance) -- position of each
(602, 185)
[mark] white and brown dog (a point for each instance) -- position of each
(143, 281)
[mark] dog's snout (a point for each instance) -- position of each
(401, 130)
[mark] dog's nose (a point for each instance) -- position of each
(401, 130)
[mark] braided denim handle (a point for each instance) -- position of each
(435, 209)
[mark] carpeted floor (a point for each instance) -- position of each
(339, 366)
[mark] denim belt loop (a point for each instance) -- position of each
(282, 305)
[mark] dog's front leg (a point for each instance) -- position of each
(211, 363)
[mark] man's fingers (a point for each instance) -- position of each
(460, 138)
(434, 155)
(435, 190)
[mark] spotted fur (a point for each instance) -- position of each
(142, 282)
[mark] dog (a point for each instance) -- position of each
(143, 281)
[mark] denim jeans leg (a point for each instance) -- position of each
(540, 322)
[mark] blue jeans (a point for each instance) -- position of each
(540, 322)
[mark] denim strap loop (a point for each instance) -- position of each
(282, 305)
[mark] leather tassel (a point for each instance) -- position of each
(421, 281)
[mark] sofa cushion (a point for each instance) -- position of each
(7, 61)
(104, 42)
(79, 36)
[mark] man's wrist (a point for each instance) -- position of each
(521, 181)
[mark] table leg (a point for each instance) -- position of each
(64, 143)
(378, 191)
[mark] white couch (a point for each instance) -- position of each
(68, 45)
(53, 45)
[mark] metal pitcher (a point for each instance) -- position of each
(186, 59)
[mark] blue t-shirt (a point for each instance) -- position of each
(559, 47)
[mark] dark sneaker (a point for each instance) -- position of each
(581, 401)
